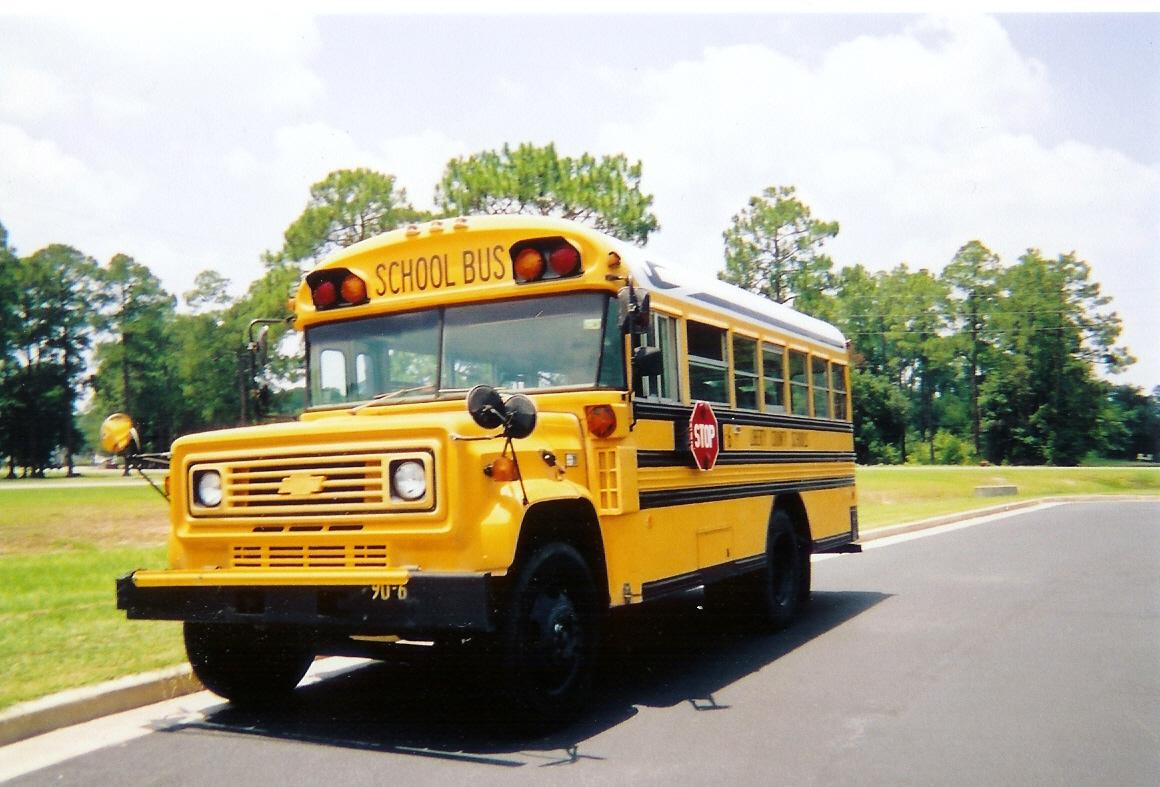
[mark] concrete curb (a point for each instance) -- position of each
(74, 706)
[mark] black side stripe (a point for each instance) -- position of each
(683, 458)
(663, 498)
(679, 413)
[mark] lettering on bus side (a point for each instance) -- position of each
(441, 271)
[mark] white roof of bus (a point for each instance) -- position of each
(707, 291)
(681, 284)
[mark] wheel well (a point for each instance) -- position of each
(792, 504)
(571, 522)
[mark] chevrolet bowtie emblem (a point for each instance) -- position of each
(301, 484)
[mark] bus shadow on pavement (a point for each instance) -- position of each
(428, 704)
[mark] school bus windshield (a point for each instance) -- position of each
(565, 341)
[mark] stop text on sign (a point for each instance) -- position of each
(704, 436)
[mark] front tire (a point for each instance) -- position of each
(550, 633)
(244, 664)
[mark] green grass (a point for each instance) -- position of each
(62, 545)
(894, 495)
(59, 626)
(39, 517)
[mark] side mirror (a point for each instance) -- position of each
(647, 361)
(262, 345)
(517, 415)
(521, 420)
(633, 313)
(118, 435)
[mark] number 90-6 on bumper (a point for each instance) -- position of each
(426, 604)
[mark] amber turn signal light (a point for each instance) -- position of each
(502, 469)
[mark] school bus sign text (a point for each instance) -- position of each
(441, 271)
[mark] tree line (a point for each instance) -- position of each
(983, 361)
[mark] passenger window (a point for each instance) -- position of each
(841, 405)
(821, 373)
(332, 376)
(799, 384)
(745, 372)
(708, 370)
(662, 334)
(773, 377)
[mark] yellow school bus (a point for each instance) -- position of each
(513, 424)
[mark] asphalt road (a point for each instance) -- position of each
(1023, 650)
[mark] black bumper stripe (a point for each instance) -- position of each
(433, 604)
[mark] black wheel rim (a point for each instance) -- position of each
(554, 640)
(784, 570)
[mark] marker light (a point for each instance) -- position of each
(601, 420)
(529, 265)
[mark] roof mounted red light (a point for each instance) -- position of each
(542, 259)
(324, 295)
(564, 260)
(335, 287)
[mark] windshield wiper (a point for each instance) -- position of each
(378, 399)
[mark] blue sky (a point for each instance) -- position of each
(190, 143)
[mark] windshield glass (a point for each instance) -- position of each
(565, 341)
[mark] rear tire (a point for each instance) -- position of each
(785, 580)
(772, 597)
(244, 664)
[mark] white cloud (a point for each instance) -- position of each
(30, 93)
(42, 187)
(916, 143)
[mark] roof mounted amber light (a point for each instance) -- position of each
(336, 287)
(543, 259)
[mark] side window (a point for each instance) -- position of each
(799, 384)
(773, 377)
(745, 372)
(821, 373)
(841, 404)
(662, 334)
(708, 370)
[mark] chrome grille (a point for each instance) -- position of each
(353, 482)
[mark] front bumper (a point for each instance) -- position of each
(423, 604)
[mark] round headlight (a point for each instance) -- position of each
(207, 488)
(409, 480)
